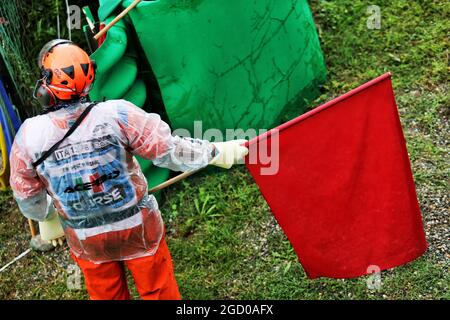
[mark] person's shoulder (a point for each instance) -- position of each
(105, 109)
(35, 123)
(114, 105)
(33, 130)
(121, 108)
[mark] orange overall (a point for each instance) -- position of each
(153, 276)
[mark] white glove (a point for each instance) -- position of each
(229, 153)
(51, 230)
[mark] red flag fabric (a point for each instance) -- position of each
(343, 192)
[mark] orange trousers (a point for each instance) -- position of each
(153, 276)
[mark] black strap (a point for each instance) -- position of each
(71, 130)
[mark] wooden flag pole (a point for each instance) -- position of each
(116, 19)
(32, 228)
(172, 181)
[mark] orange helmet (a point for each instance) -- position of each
(67, 73)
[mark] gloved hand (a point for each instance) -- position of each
(51, 230)
(229, 153)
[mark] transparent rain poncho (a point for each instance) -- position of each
(93, 179)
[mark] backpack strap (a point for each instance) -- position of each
(47, 153)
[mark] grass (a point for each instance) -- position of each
(225, 242)
(239, 252)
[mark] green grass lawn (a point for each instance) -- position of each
(224, 240)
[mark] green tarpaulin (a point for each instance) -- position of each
(230, 64)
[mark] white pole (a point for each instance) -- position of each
(20, 256)
(68, 20)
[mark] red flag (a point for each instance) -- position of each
(344, 193)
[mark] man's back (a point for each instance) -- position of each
(91, 172)
(94, 180)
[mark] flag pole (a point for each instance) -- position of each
(173, 180)
(116, 19)
(32, 228)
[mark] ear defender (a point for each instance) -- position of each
(43, 94)
(47, 75)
